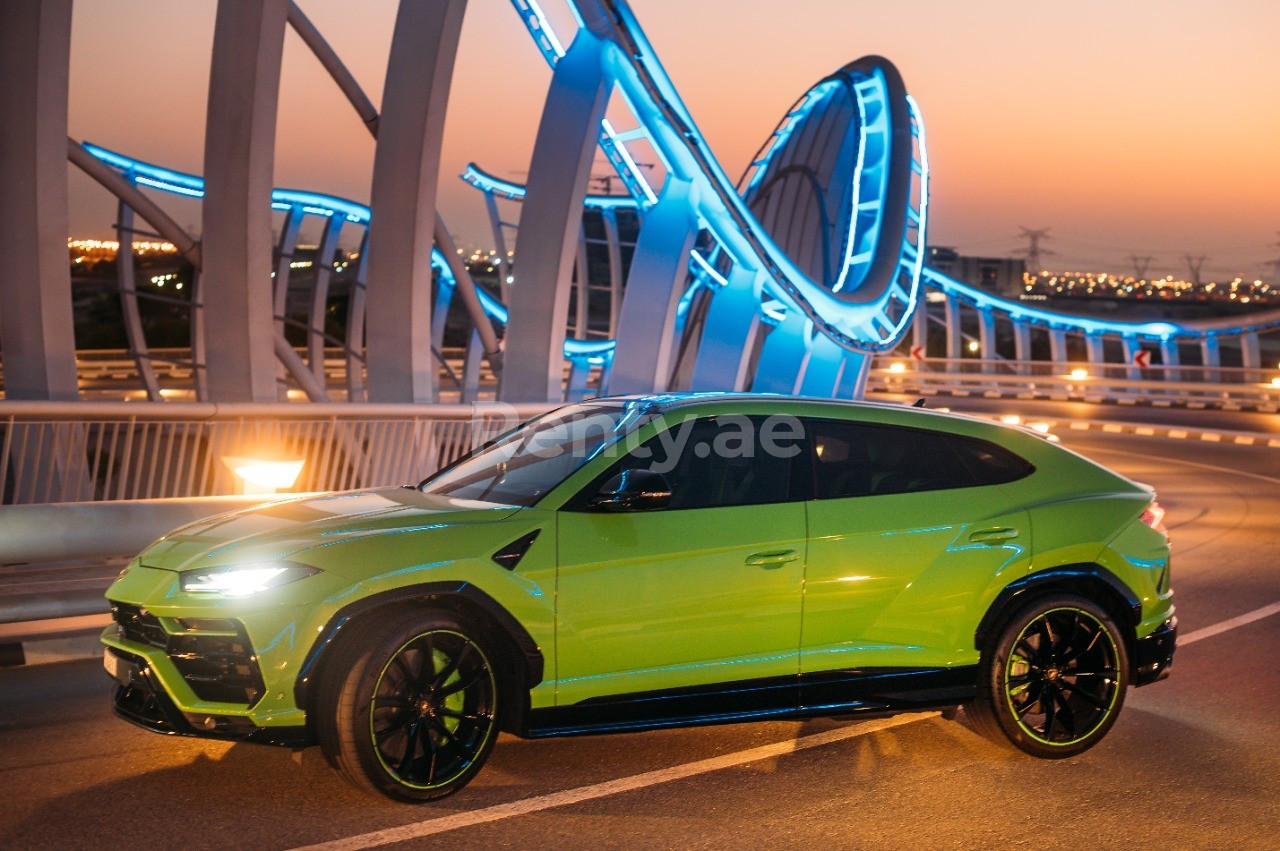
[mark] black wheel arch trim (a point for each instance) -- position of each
(529, 650)
(1021, 589)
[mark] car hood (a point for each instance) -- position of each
(279, 530)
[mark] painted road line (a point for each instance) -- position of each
(433, 826)
(498, 812)
(1219, 628)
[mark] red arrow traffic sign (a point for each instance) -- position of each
(1142, 358)
(917, 352)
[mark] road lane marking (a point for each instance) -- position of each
(1240, 620)
(498, 812)
(1232, 470)
(433, 826)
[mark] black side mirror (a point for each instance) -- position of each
(633, 490)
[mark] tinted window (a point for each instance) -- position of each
(855, 459)
(720, 461)
(990, 464)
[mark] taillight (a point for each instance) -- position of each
(1154, 516)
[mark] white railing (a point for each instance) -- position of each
(1198, 386)
(1196, 373)
(86, 451)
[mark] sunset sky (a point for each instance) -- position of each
(1127, 128)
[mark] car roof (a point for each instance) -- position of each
(667, 402)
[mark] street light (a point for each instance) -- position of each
(259, 475)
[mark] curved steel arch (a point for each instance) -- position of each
(811, 262)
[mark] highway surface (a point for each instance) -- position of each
(1193, 762)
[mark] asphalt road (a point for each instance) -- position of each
(1194, 761)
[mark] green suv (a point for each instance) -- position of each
(643, 562)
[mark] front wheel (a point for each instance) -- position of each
(1053, 680)
(411, 706)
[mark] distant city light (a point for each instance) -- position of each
(1168, 288)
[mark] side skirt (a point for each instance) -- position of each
(869, 690)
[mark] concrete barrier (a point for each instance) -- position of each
(68, 531)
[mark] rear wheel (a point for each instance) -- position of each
(1053, 680)
(410, 709)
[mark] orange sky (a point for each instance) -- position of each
(1138, 127)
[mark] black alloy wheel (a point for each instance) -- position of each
(1053, 681)
(432, 709)
(408, 707)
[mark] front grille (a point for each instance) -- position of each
(218, 665)
(137, 624)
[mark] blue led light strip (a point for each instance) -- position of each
(313, 203)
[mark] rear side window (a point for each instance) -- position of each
(856, 459)
(989, 463)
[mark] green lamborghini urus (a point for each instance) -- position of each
(643, 562)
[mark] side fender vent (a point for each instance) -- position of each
(510, 555)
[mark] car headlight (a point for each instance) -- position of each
(243, 580)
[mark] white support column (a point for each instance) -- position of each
(1058, 345)
(1170, 356)
(471, 364)
(36, 327)
(823, 369)
(127, 283)
(1022, 346)
(581, 286)
(729, 334)
(499, 243)
(280, 280)
(1250, 354)
(1131, 348)
(355, 327)
(783, 358)
(1211, 357)
(445, 288)
(239, 158)
(406, 169)
(853, 380)
(920, 323)
(614, 246)
(320, 295)
(954, 337)
(284, 256)
(561, 165)
(1094, 348)
(642, 361)
(987, 334)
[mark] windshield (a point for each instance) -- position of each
(524, 464)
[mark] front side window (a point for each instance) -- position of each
(523, 465)
(720, 461)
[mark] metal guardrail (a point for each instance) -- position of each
(86, 451)
(80, 480)
(1079, 381)
(1200, 374)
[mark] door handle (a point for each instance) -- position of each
(994, 536)
(772, 558)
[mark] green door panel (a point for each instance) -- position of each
(895, 580)
(664, 599)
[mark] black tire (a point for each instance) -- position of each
(1053, 680)
(408, 706)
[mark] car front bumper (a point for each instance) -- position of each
(141, 698)
(1154, 653)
